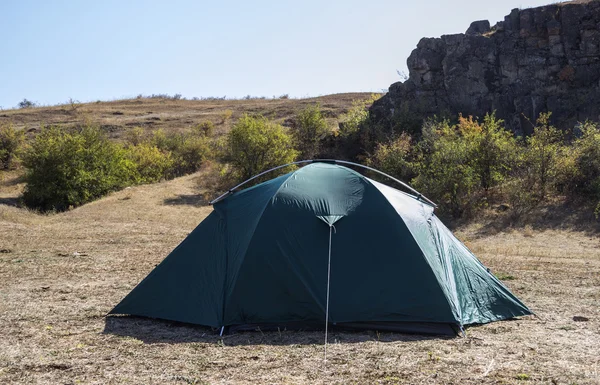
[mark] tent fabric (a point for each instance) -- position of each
(261, 258)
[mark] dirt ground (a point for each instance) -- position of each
(60, 274)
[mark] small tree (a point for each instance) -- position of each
(11, 143)
(309, 130)
(492, 149)
(542, 153)
(255, 144)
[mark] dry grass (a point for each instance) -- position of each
(60, 274)
(173, 115)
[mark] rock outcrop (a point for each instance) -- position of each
(536, 60)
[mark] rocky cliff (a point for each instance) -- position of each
(536, 60)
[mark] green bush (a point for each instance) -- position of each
(544, 148)
(493, 149)
(11, 143)
(188, 150)
(309, 129)
(67, 169)
(151, 164)
(394, 158)
(255, 144)
(353, 139)
(206, 128)
(445, 173)
(585, 180)
(356, 117)
(135, 136)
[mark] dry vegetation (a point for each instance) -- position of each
(171, 115)
(60, 274)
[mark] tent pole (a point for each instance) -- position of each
(334, 161)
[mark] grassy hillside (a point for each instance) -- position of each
(171, 114)
(60, 274)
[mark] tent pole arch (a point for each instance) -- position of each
(334, 161)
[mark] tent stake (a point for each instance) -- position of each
(222, 329)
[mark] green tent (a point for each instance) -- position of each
(322, 241)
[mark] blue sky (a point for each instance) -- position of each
(51, 51)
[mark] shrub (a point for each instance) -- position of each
(206, 128)
(356, 117)
(135, 136)
(11, 143)
(444, 171)
(585, 163)
(492, 149)
(26, 104)
(188, 150)
(394, 158)
(541, 156)
(226, 115)
(190, 155)
(151, 164)
(354, 137)
(67, 169)
(309, 129)
(255, 144)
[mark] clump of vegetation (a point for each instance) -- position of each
(255, 144)
(466, 165)
(67, 169)
(188, 150)
(443, 170)
(25, 103)
(11, 144)
(135, 136)
(206, 128)
(541, 155)
(395, 158)
(579, 172)
(151, 164)
(354, 137)
(355, 118)
(309, 130)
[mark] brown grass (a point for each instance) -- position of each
(154, 113)
(60, 274)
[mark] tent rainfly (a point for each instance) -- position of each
(323, 242)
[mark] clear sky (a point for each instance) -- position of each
(51, 51)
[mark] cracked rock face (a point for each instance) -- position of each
(536, 60)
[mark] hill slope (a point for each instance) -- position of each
(171, 114)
